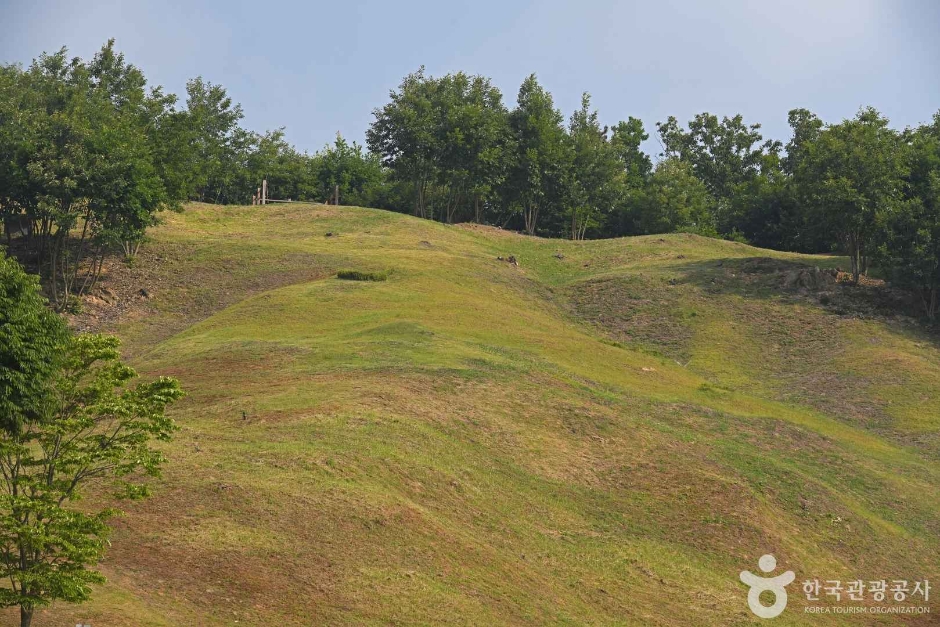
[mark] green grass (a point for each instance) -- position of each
(606, 433)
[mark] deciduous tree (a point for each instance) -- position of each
(596, 175)
(909, 235)
(850, 179)
(69, 419)
(542, 154)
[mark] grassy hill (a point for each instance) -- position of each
(606, 433)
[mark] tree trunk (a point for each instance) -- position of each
(855, 257)
(531, 215)
(420, 207)
(26, 616)
(453, 203)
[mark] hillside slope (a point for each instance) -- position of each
(607, 433)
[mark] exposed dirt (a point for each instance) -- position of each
(170, 287)
(489, 230)
(788, 325)
(830, 287)
(635, 309)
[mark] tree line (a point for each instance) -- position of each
(89, 155)
(857, 187)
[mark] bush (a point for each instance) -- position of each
(73, 305)
(358, 275)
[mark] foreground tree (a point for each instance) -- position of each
(31, 336)
(68, 421)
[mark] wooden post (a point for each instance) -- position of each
(264, 191)
(336, 195)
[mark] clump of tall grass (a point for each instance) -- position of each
(359, 275)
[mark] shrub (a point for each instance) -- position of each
(359, 275)
(73, 305)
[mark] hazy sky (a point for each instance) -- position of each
(321, 67)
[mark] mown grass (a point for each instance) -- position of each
(606, 433)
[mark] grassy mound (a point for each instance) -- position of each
(608, 433)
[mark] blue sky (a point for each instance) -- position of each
(319, 68)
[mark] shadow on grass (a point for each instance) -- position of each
(765, 277)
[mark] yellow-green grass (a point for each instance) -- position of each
(607, 433)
